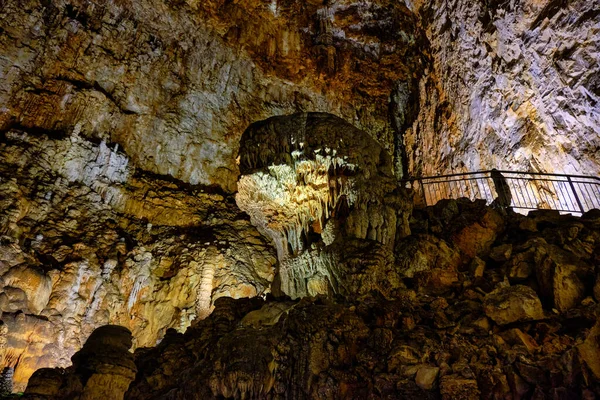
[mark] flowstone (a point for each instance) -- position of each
(308, 180)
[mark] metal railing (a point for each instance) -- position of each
(518, 190)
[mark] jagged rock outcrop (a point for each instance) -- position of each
(512, 85)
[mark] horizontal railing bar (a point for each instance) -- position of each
(503, 172)
(506, 177)
(459, 180)
(587, 183)
(555, 209)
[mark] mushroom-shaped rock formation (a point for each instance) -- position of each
(310, 179)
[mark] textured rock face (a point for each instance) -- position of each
(112, 112)
(512, 304)
(512, 85)
(176, 83)
(87, 241)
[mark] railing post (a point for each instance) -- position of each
(575, 193)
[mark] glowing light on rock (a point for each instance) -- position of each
(273, 7)
(286, 201)
(309, 180)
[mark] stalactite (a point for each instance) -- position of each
(204, 299)
(285, 202)
(135, 291)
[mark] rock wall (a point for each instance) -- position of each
(121, 121)
(512, 85)
(88, 241)
(175, 83)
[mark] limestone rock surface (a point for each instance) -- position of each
(88, 241)
(175, 83)
(511, 85)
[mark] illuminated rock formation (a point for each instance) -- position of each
(175, 83)
(121, 123)
(311, 179)
(87, 241)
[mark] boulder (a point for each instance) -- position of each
(513, 304)
(560, 275)
(432, 261)
(426, 377)
(477, 237)
(501, 253)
